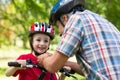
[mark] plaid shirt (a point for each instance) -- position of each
(96, 44)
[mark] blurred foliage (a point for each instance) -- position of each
(2, 71)
(109, 9)
(78, 77)
(17, 15)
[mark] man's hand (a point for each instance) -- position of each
(67, 68)
(52, 62)
(42, 57)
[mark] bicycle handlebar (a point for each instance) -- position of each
(29, 64)
(16, 64)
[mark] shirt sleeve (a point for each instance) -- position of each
(71, 38)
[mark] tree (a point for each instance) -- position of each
(109, 9)
(112, 12)
(17, 15)
(23, 13)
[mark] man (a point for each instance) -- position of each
(92, 39)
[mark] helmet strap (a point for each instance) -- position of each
(61, 22)
(37, 54)
(74, 10)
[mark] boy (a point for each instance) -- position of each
(39, 37)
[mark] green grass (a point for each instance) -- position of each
(9, 54)
(2, 71)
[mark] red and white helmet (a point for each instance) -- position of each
(42, 27)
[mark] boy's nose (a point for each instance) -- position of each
(41, 42)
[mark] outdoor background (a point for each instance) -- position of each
(16, 16)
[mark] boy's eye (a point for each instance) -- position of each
(46, 40)
(38, 39)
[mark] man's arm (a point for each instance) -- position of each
(55, 62)
(52, 63)
(74, 66)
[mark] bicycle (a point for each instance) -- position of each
(29, 64)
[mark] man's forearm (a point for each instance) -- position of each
(74, 66)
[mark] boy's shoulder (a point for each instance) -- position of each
(25, 56)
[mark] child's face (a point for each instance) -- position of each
(40, 42)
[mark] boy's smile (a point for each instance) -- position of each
(41, 42)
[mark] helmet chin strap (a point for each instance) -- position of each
(37, 54)
(72, 12)
(62, 23)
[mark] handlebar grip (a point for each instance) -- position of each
(65, 72)
(72, 72)
(15, 64)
